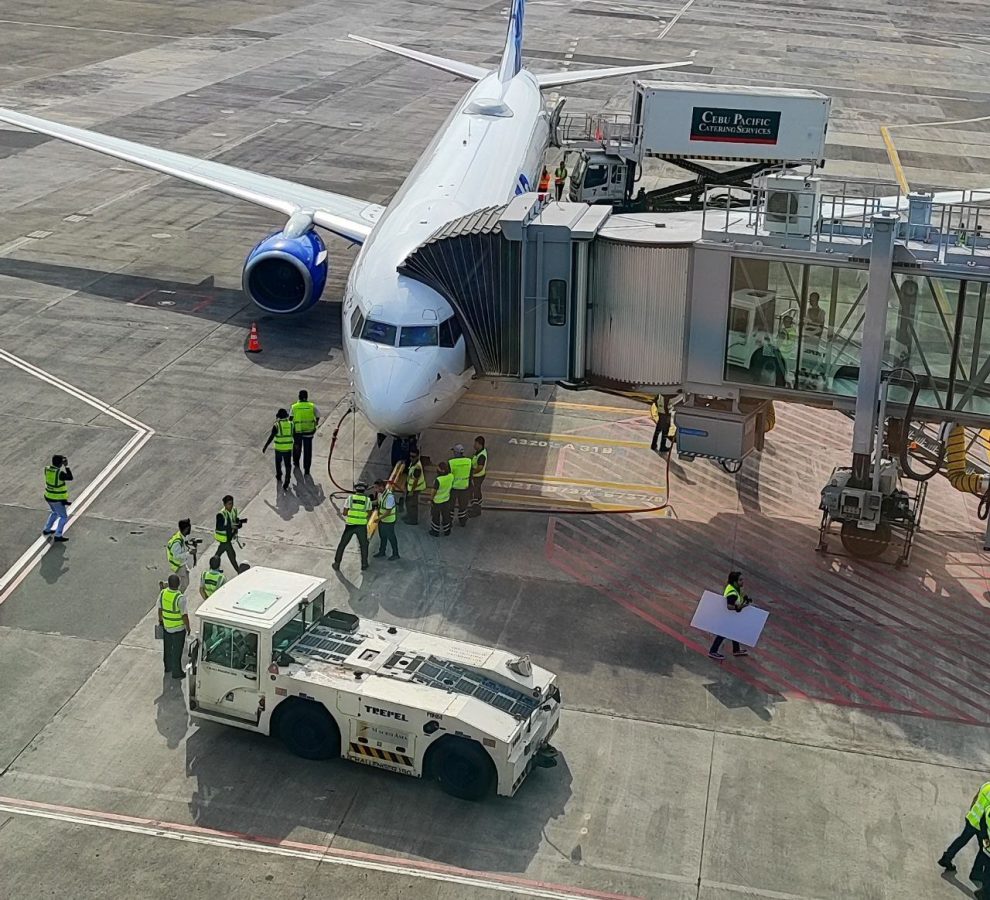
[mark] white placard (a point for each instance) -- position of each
(713, 616)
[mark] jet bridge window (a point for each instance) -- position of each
(230, 648)
(418, 336)
(379, 332)
(557, 302)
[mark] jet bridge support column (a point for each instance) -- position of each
(874, 333)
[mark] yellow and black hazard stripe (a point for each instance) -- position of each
(384, 755)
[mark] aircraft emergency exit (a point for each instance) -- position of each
(406, 355)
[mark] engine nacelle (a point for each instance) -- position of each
(286, 274)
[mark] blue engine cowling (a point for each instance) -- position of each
(286, 274)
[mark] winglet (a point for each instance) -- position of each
(464, 70)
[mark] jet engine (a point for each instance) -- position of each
(286, 271)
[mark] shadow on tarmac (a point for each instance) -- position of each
(171, 718)
(54, 564)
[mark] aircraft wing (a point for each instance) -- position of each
(345, 216)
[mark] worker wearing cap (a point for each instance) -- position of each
(974, 825)
(460, 468)
(305, 419)
(357, 511)
(227, 525)
(283, 438)
(212, 578)
(440, 510)
(57, 496)
(387, 515)
(415, 485)
(173, 616)
(178, 550)
(479, 468)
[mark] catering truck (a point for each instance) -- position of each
(269, 657)
(686, 123)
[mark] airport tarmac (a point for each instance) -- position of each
(837, 761)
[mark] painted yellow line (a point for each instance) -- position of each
(895, 160)
(561, 403)
(576, 482)
(563, 502)
(567, 438)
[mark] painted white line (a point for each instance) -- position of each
(15, 575)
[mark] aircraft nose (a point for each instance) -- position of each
(390, 390)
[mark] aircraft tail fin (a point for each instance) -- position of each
(464, 70)
(511, 61)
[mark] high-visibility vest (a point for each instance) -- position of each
(303, 417)
(415, 479)
(174, 560)
(55, 488)
(544, 182)
(357, 511)
(460, 468)
(283, 435)
(731, 594)
(231, 517)
(981, 806)
(480, 463)
(560, 174)
(444, 484)
(168, 600)
(385, 516)
(212, 579)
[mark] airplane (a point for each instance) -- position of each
(405, 352)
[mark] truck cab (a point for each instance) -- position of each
(599, 177)
(271, 657)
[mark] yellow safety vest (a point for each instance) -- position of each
(231, 517)
(480, 463)
(168, 600)
(55, 488)
(303, 417)
(415, 479)
(173, 560)
(385, 516)
(212, 579)
(981, 805)
(283, 435)
(560, 173)
(444, 484)
(460, 468)
(731, 594)
(357, 512)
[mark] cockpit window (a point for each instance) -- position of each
(450, 332)
(379, 332)
(418, 336)
(357, 323)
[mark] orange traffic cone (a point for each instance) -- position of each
(253, 344)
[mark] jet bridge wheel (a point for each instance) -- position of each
(865, 544)
(463, 768)
(308, 730)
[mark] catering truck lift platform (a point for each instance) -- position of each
(270, 658)
(690, 125)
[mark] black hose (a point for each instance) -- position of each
(905, 458)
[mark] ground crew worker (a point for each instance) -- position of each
(440, 510)
(282, 437)
(173, 616)
(559, 177)
(974, 825)
(305, 419)
(665, 418)
(178, 550)
(386, 519)
(415, 485)
(460, 468)
(544, 187)
(479, 468)
(357, 511)
(736, 601)
(212, 578)
(57, 496)
(227, 525)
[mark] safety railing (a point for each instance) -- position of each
(610, 132)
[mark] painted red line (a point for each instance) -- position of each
(328, 852)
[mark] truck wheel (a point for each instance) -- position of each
(307, 730)
(463, 769)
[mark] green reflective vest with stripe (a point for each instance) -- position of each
(55, 488)
(212, 579)
(358, 509)
(415, 479)
(460, 468)
(444, 485)
(981, 806)
(168, 600)
(303, 417)
(479, 463)
(231, 516)
(282, 441)
(732, 596)
(174, 560)
(385, 516)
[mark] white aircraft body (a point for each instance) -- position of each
(404, 348)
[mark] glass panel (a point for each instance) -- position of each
(379, 332)
(557, 302)
(418, 336)
(357, 323)
(288, 633)
(229, 647)
(597, 175)
(971, 390)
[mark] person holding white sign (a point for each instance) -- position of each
(735, 601)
